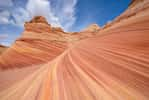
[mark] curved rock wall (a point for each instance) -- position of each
(113, 65)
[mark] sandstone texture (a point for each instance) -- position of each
(38, 44)
(3, 48)
(46, 63)
(92, 28)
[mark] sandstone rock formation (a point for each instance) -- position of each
(46, 63)
(92, 28)
(2, 48)
(38, 44)
(136, 9)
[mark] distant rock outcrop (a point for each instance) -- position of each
(38, 24)
(92, 28)
(39, 19)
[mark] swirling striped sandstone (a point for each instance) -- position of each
(38, 44)
(111, 66)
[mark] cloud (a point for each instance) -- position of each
(3, 36)
(4, 17)
(6, 3)
(20, 15)
(57, 12)
(65, 11)
(42, 7)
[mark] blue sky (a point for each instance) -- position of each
(71, 15)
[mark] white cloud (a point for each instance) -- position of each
(57, 12)
(20, 15)
(42, 7)
(61, 14)
(6, 3)
(3, 36)
(4, 11)
(65, 11)
(4, 17)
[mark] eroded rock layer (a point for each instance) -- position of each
(111, 65)
(38, 44)
(3, 48)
